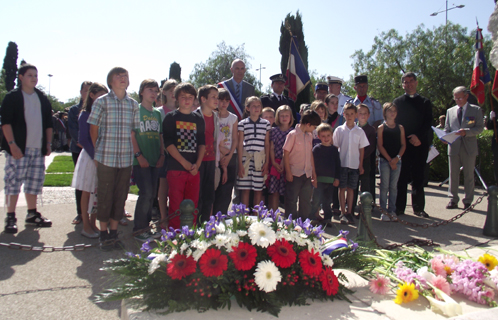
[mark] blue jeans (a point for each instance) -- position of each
(146, 180)
(388, 183)
(322, 195)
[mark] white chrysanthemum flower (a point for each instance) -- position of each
(220, 240)
(267, 276)
(203, 245)
(241, 233)
(172, 254)
(261, 235)
(327, 260)
(300, 241)
(183, 247)
(198, 254)
(200, 232)
(156, 262)
(194, 243)
(189, 252)
(233, 240)
(220, 228)
(284, 234)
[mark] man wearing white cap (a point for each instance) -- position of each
(335, 84)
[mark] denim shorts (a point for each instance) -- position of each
(349, 178)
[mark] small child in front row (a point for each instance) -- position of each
(299, 166)
(391, 143)
(351, 141)
(269, 115)
(284, 121)
(328, 170)
(253, 151)
(321, 108)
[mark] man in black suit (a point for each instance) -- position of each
(238, 88)
(277, 98)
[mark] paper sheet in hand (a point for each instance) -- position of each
(448, 137)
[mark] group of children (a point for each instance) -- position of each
(203, 154)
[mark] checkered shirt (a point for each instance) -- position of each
(115, 119)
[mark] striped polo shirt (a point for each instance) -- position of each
(254, 133)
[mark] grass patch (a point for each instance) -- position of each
(58, 180)
(61, 164)
(134, 189)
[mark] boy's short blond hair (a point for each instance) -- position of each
(362, 105)
(388, 106)
(268, 109)
(350, 106)
(281, 109)
(324, 127)
(319, 104)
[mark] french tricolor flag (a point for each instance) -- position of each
(334, 245)
(480, 76)
(297, 74)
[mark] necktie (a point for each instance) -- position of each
(459, 114)
(237, 92)
(278, 97)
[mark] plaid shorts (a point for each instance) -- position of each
(29, 170)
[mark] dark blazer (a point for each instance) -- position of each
(472, 123)
(12, 112)
(271, 100)
(247, 91)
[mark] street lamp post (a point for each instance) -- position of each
(260, 67)
(455, 7)
(49, 80)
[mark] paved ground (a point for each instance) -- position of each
(36, 285)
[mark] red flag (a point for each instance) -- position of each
(480, 76)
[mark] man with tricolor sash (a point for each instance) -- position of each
(238, 88)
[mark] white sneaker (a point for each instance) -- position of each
(384, 217)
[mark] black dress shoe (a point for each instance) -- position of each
(422, 214)
(451, 205)
(466, 206)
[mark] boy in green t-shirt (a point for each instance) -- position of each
(148, 148)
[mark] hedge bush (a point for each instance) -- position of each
(439, 170)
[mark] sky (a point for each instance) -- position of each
(82, 40)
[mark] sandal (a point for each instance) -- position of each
(77, 220)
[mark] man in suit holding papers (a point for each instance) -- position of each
(467, 120)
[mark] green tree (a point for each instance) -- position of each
(295, 24)
(175, 72)
(10, 66)
(217, 67)
(3, 90)
(442, 58)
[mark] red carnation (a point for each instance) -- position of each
(282, 254)
(243, 256)
(310, 262)
(213, 263)
(330, 283)
(181, 266)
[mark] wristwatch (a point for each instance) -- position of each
(138, 154)
(12, 142)
(399, 157)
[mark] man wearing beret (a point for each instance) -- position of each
(277, 98)
(321, 91)
(335, 84)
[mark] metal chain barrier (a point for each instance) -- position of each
(413, 242)
(81, 247)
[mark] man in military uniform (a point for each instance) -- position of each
(277, 98)
(321, 91)
(335, 84)
(361, 88)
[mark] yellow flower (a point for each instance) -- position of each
(406, 293)
(489, 261)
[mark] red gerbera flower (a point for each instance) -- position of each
(213, 263)
(311, 262)
(181, 266)
(243, 256)
(282, 254)
(330, 283)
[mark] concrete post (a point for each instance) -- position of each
(366, 204)
(491, 225)
(187, 210)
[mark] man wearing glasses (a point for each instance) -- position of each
(415, 115)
